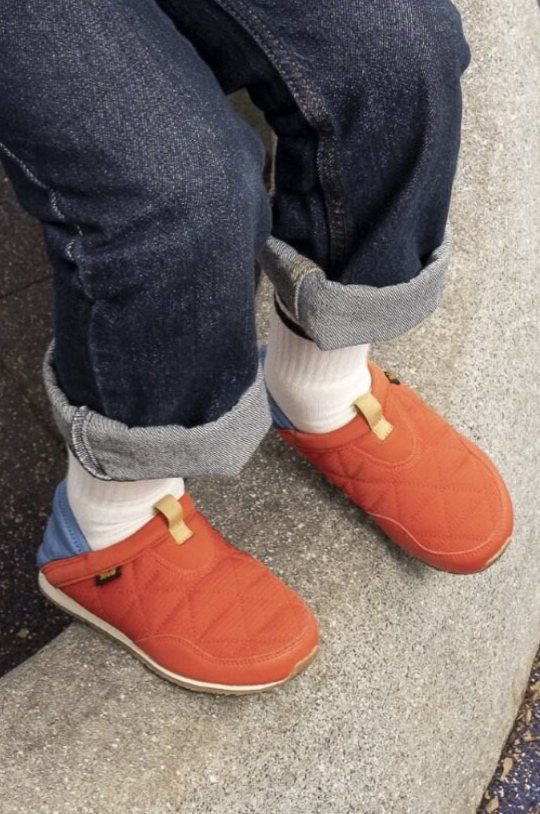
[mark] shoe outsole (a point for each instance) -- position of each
(498, 555)
(488, 564)
(69, 605)
(447, 569)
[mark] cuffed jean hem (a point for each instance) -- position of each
(110, 450)
(336, 315)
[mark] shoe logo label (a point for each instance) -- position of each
(391, 377)
(106, 576)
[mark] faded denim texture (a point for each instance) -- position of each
(116, 133)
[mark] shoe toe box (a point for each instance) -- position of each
(458, 514)
(239, 625)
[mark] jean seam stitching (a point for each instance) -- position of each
(81, 445)
(297, 282)
(333, 203)
(53, 196)
(54, 199)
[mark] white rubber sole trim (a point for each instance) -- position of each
(69, 605)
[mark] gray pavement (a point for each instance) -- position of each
(420, 675)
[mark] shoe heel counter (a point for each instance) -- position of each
(279, 418)
(63, 538)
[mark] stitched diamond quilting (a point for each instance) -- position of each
(432, 491)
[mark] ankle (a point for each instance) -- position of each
(315, 389)
(110, 511)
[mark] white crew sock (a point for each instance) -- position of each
(109, 511)
(314, 388)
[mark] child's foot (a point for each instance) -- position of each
(431, 490)
(193, 608)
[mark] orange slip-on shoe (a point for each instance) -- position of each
(431, 490)
(192, 607)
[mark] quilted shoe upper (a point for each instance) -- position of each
(202, 609)
(429, 488)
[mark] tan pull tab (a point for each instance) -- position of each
(371, 409)
(172, 510)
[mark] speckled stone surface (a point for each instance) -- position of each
(420, 674)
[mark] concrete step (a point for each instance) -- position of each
(420, 674)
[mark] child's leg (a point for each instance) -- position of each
(365, 99)
(149, 187)
(118, 138)
(366, 102)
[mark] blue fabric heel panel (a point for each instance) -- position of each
(63, 537)
(278, 416)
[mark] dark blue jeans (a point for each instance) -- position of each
(117, 134)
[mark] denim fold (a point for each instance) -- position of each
(336, 315)
(117, 135)
(110, 450)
